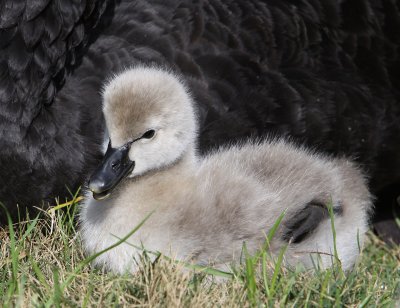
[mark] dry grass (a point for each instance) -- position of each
(42, 264)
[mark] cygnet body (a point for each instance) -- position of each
(203, 209)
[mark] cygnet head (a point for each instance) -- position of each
(151, 123)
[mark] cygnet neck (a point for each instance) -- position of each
(184, 166)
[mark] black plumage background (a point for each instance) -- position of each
(326, 73)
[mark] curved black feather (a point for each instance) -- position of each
(34, 8)
(10, 11)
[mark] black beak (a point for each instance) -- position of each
(115, 166)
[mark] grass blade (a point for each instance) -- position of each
(14, 252)
(250, 276)
(76, 199)
(39, 274)
(31, 226)
(92, 257)
(57, 297)
(277, 270)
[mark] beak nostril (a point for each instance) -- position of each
(115, 165)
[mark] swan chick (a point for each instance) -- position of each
(204, 208)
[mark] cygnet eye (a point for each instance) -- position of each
(149, 134)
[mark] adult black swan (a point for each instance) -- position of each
(325, 72)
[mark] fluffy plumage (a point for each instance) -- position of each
(314, 70)
(205, 208)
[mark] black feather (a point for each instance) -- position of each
(10, 11)
(34, 8)
(32, 31)
(307, 220)
(20, 56)
(6, 35)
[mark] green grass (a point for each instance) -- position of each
(42, 265)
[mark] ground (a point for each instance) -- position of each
(42, 264)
